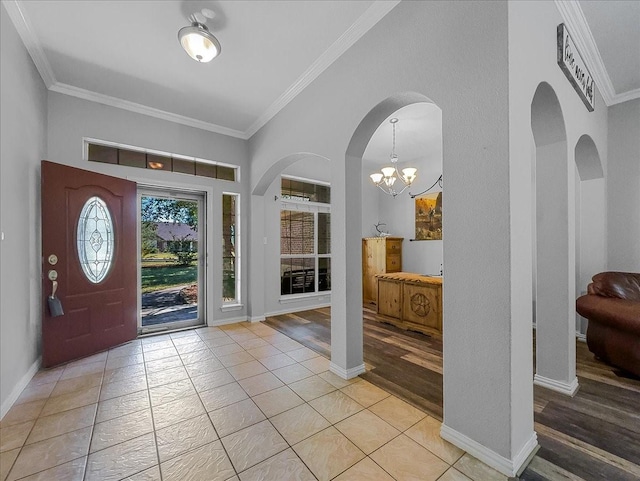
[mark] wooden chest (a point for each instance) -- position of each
(411, 301)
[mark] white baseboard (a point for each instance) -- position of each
(257, 319)
(346, 373)
(222, 322)
(296, 309)
(566, 388)
(508, 467)
(17, 390)
(581, 337)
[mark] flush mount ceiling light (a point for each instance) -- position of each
(386, 180)
(197, 40)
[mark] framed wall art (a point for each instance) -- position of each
(429, 216)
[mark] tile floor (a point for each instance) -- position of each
(238, 402)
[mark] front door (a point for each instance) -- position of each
(89, 250)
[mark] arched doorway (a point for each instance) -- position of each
(590, 219)
(347, 338)
(553, 266)
(265, 248)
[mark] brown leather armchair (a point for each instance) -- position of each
(612, 306)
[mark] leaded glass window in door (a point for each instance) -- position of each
(95, 239)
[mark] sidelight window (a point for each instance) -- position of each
(230, 249)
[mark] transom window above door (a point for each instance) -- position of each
(111, 153)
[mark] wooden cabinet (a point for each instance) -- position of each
(380, 255)
(411, 301)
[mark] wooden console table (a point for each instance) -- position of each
(411, 301)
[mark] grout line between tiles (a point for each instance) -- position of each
(207, 412)
(190, 377)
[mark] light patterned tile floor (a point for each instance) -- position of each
(238, 402)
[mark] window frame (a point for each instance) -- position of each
(298, 205)
(237, 301)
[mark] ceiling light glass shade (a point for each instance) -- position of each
(376, 177)
(388, 171)
(199, 43)
(409, 174)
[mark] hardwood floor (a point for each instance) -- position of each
(594, 436)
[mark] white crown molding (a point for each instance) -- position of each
(30, 40)
(32, 44)
(143, 109)
(575, 20)
(361, 26)
(623, 97)
(508, 467)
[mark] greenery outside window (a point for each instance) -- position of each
(230, 249)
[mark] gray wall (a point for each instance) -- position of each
(623, 187)
(480, 63)
(23, 134)
(463, 69)
(532, 60)
(422, 257)
(72, 119)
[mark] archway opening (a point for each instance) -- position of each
(553, 265)
(590, 220)
(266, 247)
(418, 145)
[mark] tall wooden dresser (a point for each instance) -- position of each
(380, 255)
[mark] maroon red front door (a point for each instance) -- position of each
(89, 242)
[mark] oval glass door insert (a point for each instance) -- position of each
(95, 239)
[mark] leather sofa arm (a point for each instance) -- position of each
(621, 285)
(619, 313)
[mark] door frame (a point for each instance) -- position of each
(208, 262)
(201, 199)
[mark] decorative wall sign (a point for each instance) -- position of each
(429, 217)
(574, 68)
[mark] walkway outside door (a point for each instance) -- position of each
(89, 249)
(172, 259)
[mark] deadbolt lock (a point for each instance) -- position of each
(53, 259)
(53, 275)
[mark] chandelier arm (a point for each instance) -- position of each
(403, 189)
(388, 192)
(437, 182)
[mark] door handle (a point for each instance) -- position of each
(55, 306)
